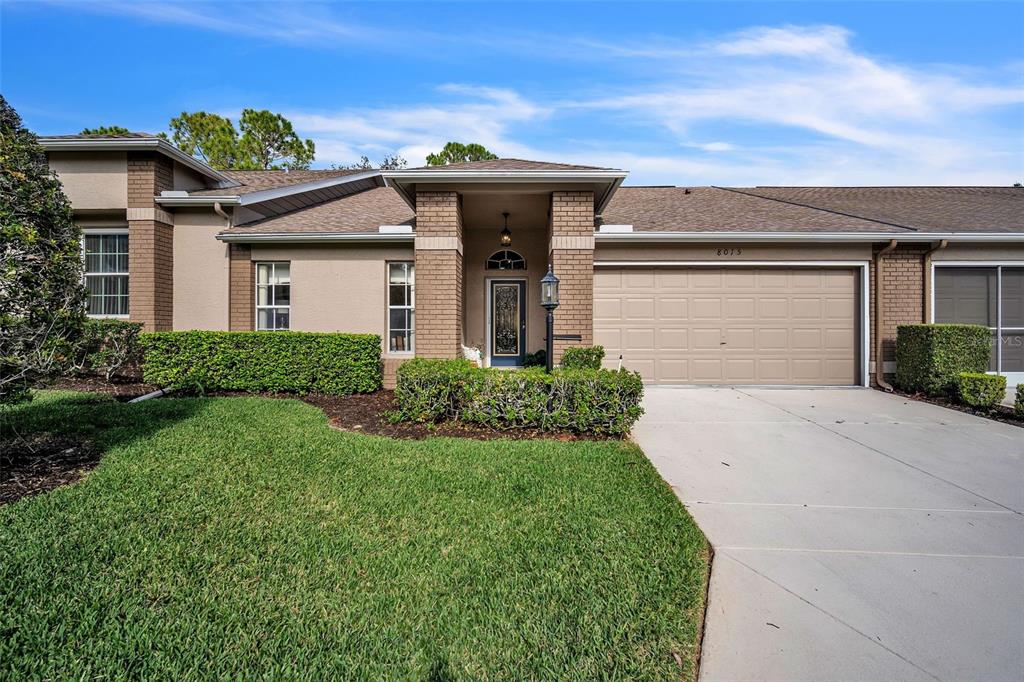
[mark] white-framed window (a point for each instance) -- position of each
(401, 307)
(106, 273)
(273, 296)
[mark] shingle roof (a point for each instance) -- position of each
(713, 209)
(82, 136)
(360, 212)
(509, 165)
(923, 209)
(259, 180)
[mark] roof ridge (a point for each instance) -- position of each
(817, 208)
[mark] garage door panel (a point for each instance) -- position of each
(763, 325)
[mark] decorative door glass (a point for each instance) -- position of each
(506, 319)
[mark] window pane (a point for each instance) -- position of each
(965, 295)
(398, 295)
(263, 295)
(281, 318)
(263, 273)
(1013, 298)
(92, 243)
(264, 319)
(282, 294)
(282, 274)
(398, 273)
(399, 319)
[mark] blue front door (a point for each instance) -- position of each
(508, 322)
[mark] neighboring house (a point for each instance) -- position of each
(766, 285)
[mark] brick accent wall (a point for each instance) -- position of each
(902, 291)
(439, 275)
(241, 289)
(150, 244)
(572, 215)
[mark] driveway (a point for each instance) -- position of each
(857, 535)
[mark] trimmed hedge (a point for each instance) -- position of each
(930, 356)
(583, 357)
(108, 347)
(289, 362)
(580, 400)
(1018, 402)
(980, 390)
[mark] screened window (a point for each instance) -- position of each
(401, 307)
(106, 274)
(506, 260)
(273, 296)
(992, 296)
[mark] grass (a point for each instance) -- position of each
(242, 537)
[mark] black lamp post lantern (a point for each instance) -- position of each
(506, 234)
(549, 301)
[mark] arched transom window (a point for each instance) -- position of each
(506, 260)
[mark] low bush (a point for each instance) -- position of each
(583, 357)
(108, 347)
(980, 390)
(579, 400)
(930, 356)
(292, 362)
(1018, 403)
(537, 359)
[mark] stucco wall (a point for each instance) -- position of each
(531, 243)
(93, 181)
(200, 272)
(337, 287)
(981, 251)
(187, 179)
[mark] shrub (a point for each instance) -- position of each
(980, 390)
(432, 390)
(295, 362)
(538, 359)
(1018, 403)
(107, 347)
(930, 356)
(583, 357)
(594, 401)
(41, 290)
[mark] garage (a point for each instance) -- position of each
(731, 325)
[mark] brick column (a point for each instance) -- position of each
(902, 294)
(572, 256)
(241, 289)
(439, 295)
(150, 243)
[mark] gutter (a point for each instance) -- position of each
(928, 278)
(849, 237)
(879, 317)
(208, 200)
(314, 237)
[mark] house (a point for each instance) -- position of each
(710, 285)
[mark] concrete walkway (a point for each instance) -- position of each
(857, 535)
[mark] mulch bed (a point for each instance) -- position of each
(1001, 413)
(123, 389)
(41, 462)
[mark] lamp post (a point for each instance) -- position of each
(549, 301)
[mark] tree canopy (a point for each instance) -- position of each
(263, 141)
(390, 162)
(456, 152)
(106, 130)
(41, 292)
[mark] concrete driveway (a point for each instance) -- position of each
(857, 535)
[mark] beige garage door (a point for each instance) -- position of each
(730, 325)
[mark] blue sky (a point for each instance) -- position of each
(678, 93)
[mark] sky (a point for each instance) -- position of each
(724, 93)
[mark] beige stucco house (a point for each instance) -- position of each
(711, 285)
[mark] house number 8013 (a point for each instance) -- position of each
(729, 252)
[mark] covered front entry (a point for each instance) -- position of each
(738, 325)
(507, 322)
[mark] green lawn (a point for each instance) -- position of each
(243, 537)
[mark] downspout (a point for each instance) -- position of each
(928, 278)
(879, 318)
(220, 211)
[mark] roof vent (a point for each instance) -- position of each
(615, 229)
